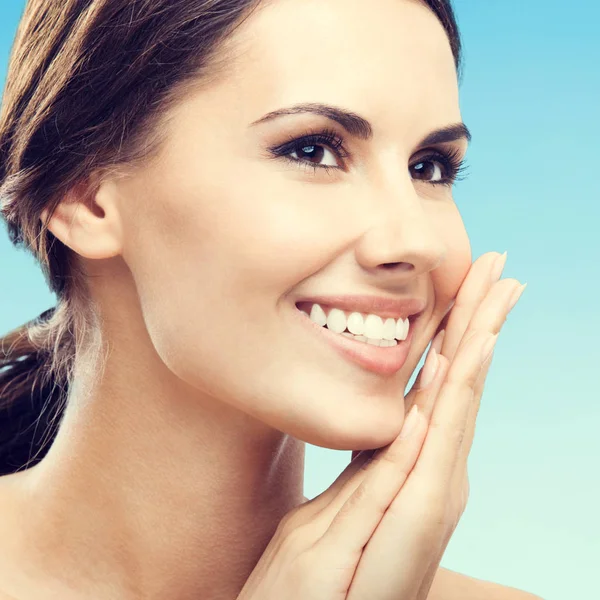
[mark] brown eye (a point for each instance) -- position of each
(427, 170)
(439, 167)
(321, 150)
(313, 153)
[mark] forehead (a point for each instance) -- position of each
(380, 55)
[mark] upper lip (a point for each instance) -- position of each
(395, 308)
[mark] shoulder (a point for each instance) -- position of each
(450, 585)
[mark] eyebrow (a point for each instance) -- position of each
(359, 127)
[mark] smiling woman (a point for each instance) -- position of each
(190, 176)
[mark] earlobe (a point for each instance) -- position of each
(88, 222)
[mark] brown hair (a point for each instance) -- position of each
(87, 83)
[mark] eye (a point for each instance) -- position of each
(314, 153)
(441, 167)
(428, 170)
(320, 150)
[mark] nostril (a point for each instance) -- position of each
(401, 266)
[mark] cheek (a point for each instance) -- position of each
(448, 277)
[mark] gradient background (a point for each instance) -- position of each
(531, 97)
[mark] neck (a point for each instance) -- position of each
(153, 490)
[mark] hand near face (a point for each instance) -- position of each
(380, 530)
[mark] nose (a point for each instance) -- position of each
(402, 240)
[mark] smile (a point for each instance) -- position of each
(376, 344)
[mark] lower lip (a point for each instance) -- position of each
(383, 361)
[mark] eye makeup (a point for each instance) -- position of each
(435, 166)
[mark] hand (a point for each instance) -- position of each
(481, 304)
(380, 530)
(451, 330)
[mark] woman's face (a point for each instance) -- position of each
(223, 237)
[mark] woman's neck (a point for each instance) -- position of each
(157, 493)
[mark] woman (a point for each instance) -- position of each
(200, 180)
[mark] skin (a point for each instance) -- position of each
(172, 471)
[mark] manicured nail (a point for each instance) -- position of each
(410, 422)
(515, 297)
(488, 348)
(498, 267)
(429, 368)
(438, 340)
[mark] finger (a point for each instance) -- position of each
(353, 515)
(490, 316)
(398, 556)
(440, 452)
(324, 499)
(416, 518)
(474, 411)
(484, 271)
(502, 301)
(460, 480)
(472, 283)
(409, 399)
(317, 504)
(483, 274)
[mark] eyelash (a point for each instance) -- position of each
(452, 165)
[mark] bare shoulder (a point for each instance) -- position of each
(450, 585)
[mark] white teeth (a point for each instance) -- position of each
(402, 329)
(389, 329)
(317, 314)
(371, 327)
(336, 320)
(356, 323)
(362, 338)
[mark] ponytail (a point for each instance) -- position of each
(33, 386)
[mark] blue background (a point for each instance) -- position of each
(531, 97)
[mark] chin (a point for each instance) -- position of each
(332, 413)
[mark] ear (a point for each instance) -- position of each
(88, 221)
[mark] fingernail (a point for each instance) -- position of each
(488, 348)
(429, 368)
(410, 422)
(515, 297)
(438, 340)
(498, 267)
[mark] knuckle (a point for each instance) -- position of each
(469, 334)
(462, 386)
(470, 381)
(390, 459)
(461, 302)
(290, 523)
(295, 540)
(465, 496)
(288, 519)
(365, 495)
